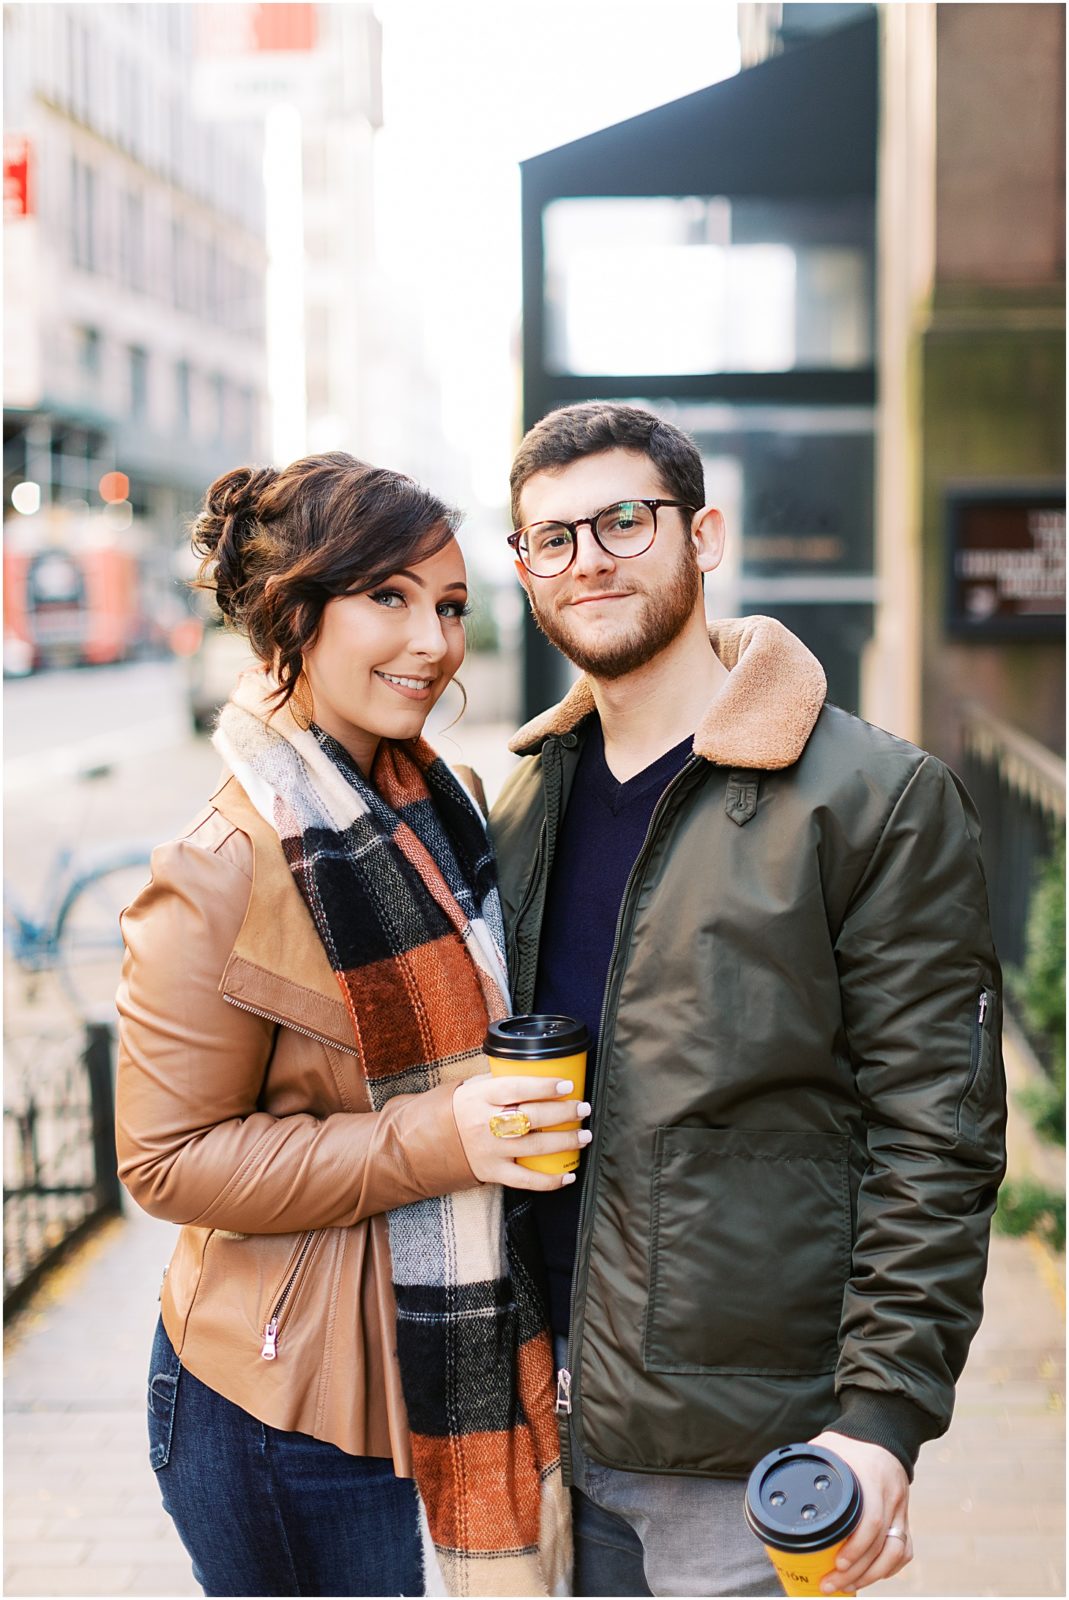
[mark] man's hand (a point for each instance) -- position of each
(870, 1554)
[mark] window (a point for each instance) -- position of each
(181, 385)
(247, 420)
(89, 351)
(213, 289)
(179, 287)
(132, 241)
(740, 285)
(138, 382)
(219, 405)
(82, 214)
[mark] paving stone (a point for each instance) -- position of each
(987, 1504)
(56, 1552)
(176, 1579)
(34, 1580)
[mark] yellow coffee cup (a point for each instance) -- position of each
(540, 1045)
(803, 1502)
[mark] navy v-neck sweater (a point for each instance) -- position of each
(603, 829)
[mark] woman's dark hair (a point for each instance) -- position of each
(276, 546)
(595, 426)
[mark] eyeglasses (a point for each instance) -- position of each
(624, 529)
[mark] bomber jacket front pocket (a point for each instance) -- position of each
(750, 1250)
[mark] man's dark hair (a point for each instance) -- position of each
(595, 426)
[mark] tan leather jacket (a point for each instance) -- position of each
(243, 1115)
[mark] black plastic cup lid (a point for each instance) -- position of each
(536, 1036)
(802, 1497)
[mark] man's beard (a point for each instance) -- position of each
(663, 617)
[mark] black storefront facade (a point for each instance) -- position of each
(714, 259)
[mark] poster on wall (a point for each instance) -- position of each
(1006, 563)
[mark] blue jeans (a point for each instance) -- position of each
(265, 1512)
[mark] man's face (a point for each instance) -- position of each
(609, 615)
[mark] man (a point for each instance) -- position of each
(773, 918)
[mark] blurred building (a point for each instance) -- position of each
(971, 505)
(190, 282)
(133, 360)
(133, 279)
(715, 258)
(347, 366)
(843, 272)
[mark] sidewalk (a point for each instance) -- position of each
(83, 1515)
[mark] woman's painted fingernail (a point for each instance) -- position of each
(565, 1088)
(585, 1136)
(569, 1177)
(583, 1108)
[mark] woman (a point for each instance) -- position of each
(308, 980)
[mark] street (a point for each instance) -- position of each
(130, 725)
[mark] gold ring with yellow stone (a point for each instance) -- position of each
(510, 1123)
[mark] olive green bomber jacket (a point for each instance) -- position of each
(799, 1106)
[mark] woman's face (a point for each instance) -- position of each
(382, 659)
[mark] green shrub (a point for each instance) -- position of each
(1029, 1207)
(1039, 988)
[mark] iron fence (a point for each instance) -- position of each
(60, 1173)
(1019, 789)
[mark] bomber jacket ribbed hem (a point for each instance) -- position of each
(889, 1420)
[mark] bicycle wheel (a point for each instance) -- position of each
(88, 938)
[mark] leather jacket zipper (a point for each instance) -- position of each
(295, 1027)
(624, 923)
(270, 1344)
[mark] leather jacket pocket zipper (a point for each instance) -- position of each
(270, 1337)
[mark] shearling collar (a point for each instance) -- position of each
(760, 718)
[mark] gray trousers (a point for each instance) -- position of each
(639, 1533)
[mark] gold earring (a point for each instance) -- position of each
(301, 706)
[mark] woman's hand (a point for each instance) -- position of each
(544, 1100)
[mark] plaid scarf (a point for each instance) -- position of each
(399, 878)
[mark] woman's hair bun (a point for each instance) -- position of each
(227, 519)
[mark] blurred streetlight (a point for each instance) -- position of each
(26, 498)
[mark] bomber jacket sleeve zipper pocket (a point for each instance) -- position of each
(270, 1337)
(979, 1051)
(977, 1042)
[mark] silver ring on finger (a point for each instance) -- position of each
(897, 1533)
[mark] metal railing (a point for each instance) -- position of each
(1019, 789)
(60, 1173)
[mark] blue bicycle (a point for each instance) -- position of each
(76, 933)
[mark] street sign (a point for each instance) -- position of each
(1006, 563)
(17, 197)
(250, 58)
